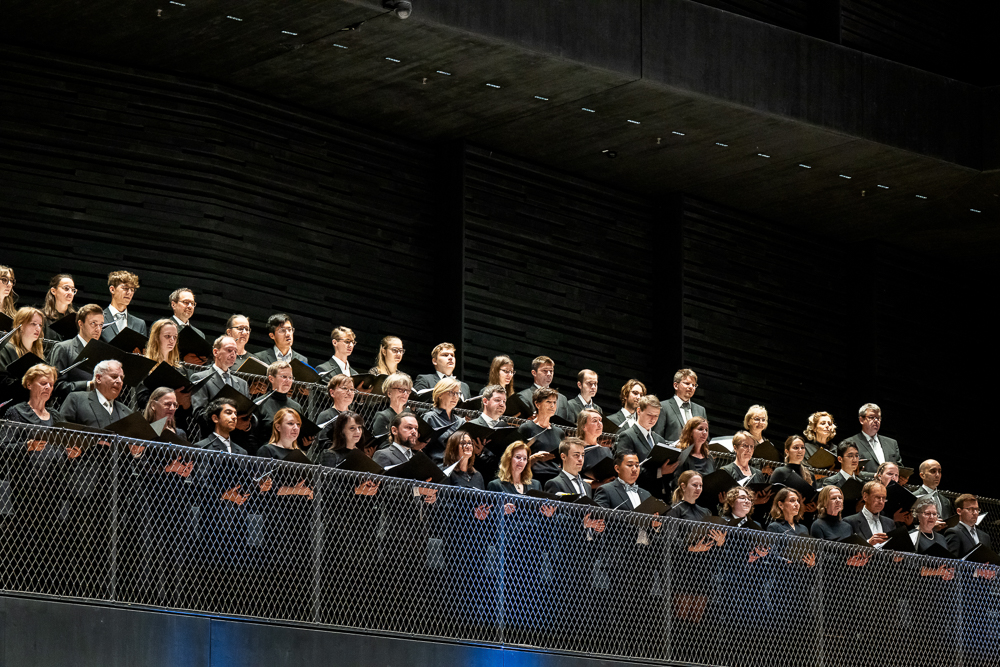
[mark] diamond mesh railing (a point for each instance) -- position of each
(112, 519)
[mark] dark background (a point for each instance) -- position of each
(262, 207)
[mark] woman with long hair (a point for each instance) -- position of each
(26, 339)
(8, 297)
(502, 373)
(390, 353)
(59, 298)
(829, 524)
(284, 435)
(694, 443)
(820, 431)
(786, 513)
(686, 495)
(461, 450)
(162, 404)
(346, 435)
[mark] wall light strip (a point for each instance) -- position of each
(492, 85)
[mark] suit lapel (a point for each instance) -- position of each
(100, 414)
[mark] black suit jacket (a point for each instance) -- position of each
(561, 484)
(331, 365)
(267, 357)
(960, 541)
(429, 381)
(890, 448)
(185, 326)
(201, 397)
(859, 524)
(613, 496)
(214, 444)
(132, 322)
(574, 407)
(947, 507)
(670, 424)
(390, 456)
(632, 440)
(84, 407)
(618, 418)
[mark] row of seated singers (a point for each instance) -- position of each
(515, 469)
(122, 286)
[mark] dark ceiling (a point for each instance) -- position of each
(689, 99)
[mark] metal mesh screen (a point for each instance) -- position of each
(114, 519)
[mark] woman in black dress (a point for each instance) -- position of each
(502, 373)
(346, 433)
(442, 418)
(58, 302)
(163, 404)
(926, 514)
(828, 524)
(685, 495)
(39, 381)
(695, 455)
(461, 450)
(546, 436)
(286, 546)
(737, 509)
(397, 388)
(819, 432)
(795, 453)
(786, 514)
(26, 339)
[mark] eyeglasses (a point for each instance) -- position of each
(759, 420)
(351, 343)
(126, 289)
(188, 302)
(241, 329)
(508, 372)
(397, 350)
(68, 290)
(974, 510)
(454, 393)
(8, 281)
(285, 330)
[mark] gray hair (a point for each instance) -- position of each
(922, 502)
(863, 410)
(105, 366)
(401, 380)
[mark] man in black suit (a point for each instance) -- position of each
(494, 405)
(869, 523)
(543, 370)
(930, 475)
(443, 358)
(586, 381)
(99, 407)
(122, 285)
(343, 341)
(640, 440)
(89, 320)
(182, 303)
(630, 394)
(222, 412)
(224, 351)
(569, 480)
(677, 411)
(282, 332)
(279, 376)
(966, 535)
(874, 448)
(403, 432)
(623, 492)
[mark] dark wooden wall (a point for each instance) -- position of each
(261, 208)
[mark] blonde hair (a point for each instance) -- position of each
(503, 473)
(444, 386)
(153, 350)
(682, 483)
(814, 418)
(381, 359)
(753, 410)
(22, 317)
(279, 417)
(37, 371)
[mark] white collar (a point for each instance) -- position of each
(180, 321)
(82, 341)
(115, 311)
(585, 403)
(281, 357)
(645, 433)
(344, 367)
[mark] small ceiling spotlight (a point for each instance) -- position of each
(610, 153)
(401, 8)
